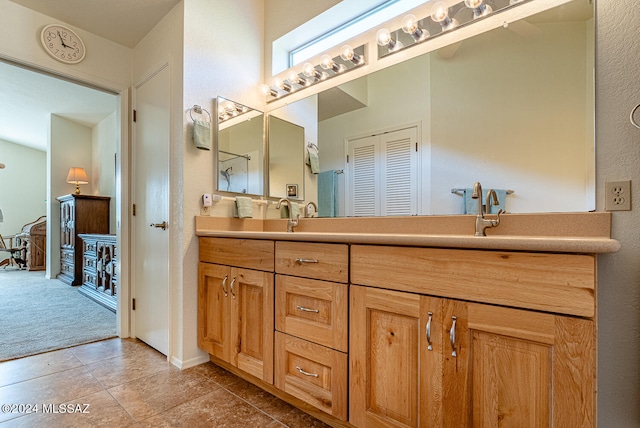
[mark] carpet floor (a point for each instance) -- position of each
(39, 315)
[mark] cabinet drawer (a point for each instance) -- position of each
(559, 283)
(313, 310)
(246, 253)
(312, 373)
(329, 262)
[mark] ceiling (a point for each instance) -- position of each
(27, 98)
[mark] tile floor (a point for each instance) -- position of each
(128, 384)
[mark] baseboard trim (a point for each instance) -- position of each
(186, 364)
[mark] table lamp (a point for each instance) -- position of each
(78, 176)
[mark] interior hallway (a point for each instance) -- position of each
(128, 384)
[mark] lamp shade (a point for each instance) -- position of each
(77, 176)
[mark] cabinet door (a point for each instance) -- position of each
(214, 308)
(516, 368)
(384, 358)
(252, 307)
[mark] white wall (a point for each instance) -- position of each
(618, 158)
(216, 62)
(103, 163)
(107, 64)
(23, 187)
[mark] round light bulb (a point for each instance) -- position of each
(409, 24)
(383, 36)
(278, 82)
(308, 69)
(472, 4)
(346, 53)
(326, 62)
(439, 11)
(264, 89)
(293, 77)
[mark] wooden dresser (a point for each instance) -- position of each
(99, 259)
(79, 214)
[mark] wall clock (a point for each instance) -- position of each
(62, 44)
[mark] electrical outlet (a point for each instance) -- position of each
(617, 196)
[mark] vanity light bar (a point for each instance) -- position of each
(229, 109)
(310, 74)
(441, 20)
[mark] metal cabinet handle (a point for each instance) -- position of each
(303, 309)
(224, 285)
(300, 261)
(429, 347)
(233, 281)
(162, 225)
(452, 337)
(306, 373)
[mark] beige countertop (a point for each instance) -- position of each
(568, 233)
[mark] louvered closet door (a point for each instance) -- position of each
(382, 174)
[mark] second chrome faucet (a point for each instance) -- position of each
(492, 198)
(292, 222)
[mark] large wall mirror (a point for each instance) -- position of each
(240, 148)
(286, 158)
(512, 108)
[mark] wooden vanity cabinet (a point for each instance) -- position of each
(236, 304)
(512, 367)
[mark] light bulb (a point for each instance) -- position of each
(410, 26)
(347, 54)
(479, 8)
(282, 85)
(310, 71)
(440, 14)
(266, 90)
(295, 78)
(327, 63)
(383, 36)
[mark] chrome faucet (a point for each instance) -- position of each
(310, 209)
(481, 222)
(292, 222)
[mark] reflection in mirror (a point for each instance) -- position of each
(286, 159)
(511, 108)
(240, 148)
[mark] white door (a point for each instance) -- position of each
(382, 174)
(150, 264)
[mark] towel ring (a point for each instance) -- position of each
(633, 121)
(198, 110)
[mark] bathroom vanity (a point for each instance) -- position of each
(420, 324)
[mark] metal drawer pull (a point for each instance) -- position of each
(303, 309)
(306, 373)
(430, 347)
(452, 337)
(300, 261)
(233, 281)
(224, 285)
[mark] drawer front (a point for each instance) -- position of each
(89, 263)
(329, 262)
(89, 279)
(314, 310)
(247, 253)
(90, 247)
(559, 283)
(312, 373)
(67, 256)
